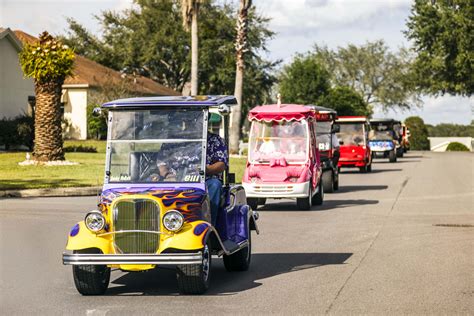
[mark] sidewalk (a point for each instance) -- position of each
(79, 191)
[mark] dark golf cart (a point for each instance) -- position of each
(385, 139)
(328, 145)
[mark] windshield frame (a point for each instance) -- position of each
(110, 141)
(305, 125)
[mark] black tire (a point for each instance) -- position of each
(253, 203)
(400, 152)
(369, 167)
(195, 278)
(392, 156)
(318, 198)
(91, 279)
(262, 201)
(305, 203)
(328, 181)
(239, 261)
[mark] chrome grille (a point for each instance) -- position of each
(136, 223)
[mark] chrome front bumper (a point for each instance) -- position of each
(104, 259)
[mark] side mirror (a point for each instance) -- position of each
(224, 109)
(336, 128)
(96, 112)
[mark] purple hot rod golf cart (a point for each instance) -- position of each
(155, 207)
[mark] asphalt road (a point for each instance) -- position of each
(373, 247)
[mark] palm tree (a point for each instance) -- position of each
(190, 11)
(241, 48)
(48, 62)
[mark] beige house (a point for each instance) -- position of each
(91, 83)
(14, 88)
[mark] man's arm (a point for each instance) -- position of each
(215, 168)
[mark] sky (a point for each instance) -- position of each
(299, 25)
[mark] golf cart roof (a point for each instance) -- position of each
(384, 121)
(352, 119)
(282, 112)
(323, 113)
(150, 102)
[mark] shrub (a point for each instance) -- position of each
(456, 146)
(17, 131)
(80, 149)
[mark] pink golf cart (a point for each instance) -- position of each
(283, 156)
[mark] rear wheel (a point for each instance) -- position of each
(318, 198)
(369, 167)
(252, 202)
(305, 203)
(392, 156)
(239, 261)
(91, 279)
(328, 181)
(195, 278)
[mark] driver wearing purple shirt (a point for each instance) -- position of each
(216, 164)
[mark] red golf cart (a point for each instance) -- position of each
(353, 138)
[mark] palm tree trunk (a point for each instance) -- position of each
(240, 46)
(194, 50)
(48, 134)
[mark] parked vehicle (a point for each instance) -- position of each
(353, 138)
(154, 209)
(328, 145)
(385, 139)
(283, 157)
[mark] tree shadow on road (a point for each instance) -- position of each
(264, 265)
(355, 171)
(353, 188)
(271, 206)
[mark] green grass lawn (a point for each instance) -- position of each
(89, 172)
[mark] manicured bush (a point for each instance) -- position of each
(80, 149)
(456, 146)
(18, 131)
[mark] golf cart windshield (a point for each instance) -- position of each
(278, 139)
(381, 132)
(323, 135)
(351, 134)
(164, 145)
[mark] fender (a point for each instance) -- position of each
(81, 238)
(191, 237)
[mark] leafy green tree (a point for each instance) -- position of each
(303, 81)
(345, 101)
(150, 40)
(451, 130)
(418, 133)
(48, 62)
(442, 35)
(379, 75)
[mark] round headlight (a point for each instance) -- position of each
(173, 220)
(94, 221)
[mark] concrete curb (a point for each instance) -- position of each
(80, 191)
